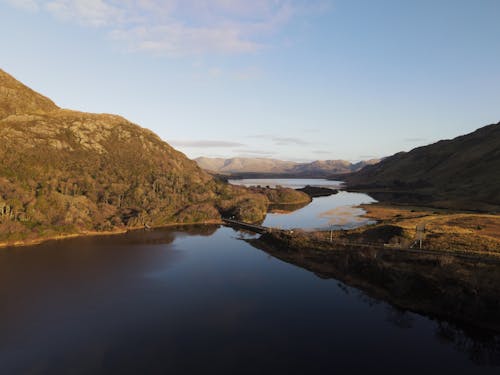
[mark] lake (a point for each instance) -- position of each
(293, 183)
(336, 211)
(203, 300)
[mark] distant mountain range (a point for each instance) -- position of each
(462, 173)
(273, 167)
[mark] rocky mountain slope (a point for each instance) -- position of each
(64, 171)
(462, 173)
(265, 166)
(16, 98)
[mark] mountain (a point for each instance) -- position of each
(328, 167)
(244, 165)
(64, 172)
(265, 166)
(16, 98)
(462, 173)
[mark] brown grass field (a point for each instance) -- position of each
(444, 230)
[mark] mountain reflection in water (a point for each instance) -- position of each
(200, 299)
(336, 211)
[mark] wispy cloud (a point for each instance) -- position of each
(284, 141)
(181, 27)
(95, 13)
(255, 152)
(281, 141)
(205, 143)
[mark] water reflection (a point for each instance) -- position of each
(286, 208)
(463, 291)
(204, 300)
(336, 211)
(293, 183)
(481, 347)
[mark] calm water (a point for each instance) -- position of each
(337, 211)
(294, 183)
(203, 301)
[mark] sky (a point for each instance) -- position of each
(297, 80)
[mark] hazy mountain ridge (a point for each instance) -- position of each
(236, 165)
(64, 171)
(318, 168)
(459, 173)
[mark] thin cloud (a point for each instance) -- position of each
(284, 141)
(205, 143)
(321, 152)
(96, 13)
(281, 141)
(181, 27)
(255, 152)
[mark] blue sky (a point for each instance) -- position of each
(290, 79)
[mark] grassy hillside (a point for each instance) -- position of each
(461, 173)
(64, 172)
(16, 98)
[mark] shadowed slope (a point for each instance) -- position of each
(458, 173)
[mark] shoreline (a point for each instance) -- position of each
(455, 288)
(443, 229)
(60, 237)
(294, 203)
(405, 218)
